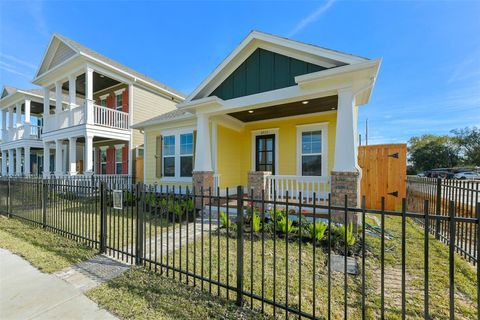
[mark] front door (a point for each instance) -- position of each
(265, 153)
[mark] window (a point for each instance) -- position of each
(103, 161)
(118, 161)
(186, 154)
(119, 102)
(311, 150)
(103, 102)
(169, 156)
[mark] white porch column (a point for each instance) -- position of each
(11, 163)
(203, 154)
(10, 118)
(18, 109)
(4, 125)
(46, 159)
(26, 162)
(88, 166)
(4, 163)
(58, 97)
(130, 158)
(27, 110)
(58, 157)
(72, 155)
(18, 171)
(89, 94)
(345, 146)
(72, 90)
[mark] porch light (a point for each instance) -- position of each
(333, 108)
(250, 111)
(102, 76)
(305, 102)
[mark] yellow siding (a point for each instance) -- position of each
(235, 149)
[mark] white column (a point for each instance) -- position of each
(46, 159)
(130, 158)
(18, 108)
(88, 165)
(18, 171)
(26, 162)
(10, 118)
(72, 90)
(89, 94)
(46, 105)
(203, 154)
(58, 97)
(4, 126)
(11, 163)
(58, 157)
(4, 163)
(345, 147)
(72, 155)
(27, 118)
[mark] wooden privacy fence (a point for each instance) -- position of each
(384, 170)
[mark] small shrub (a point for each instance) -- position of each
(188, 205)
(276, 215)
(256, 222)
(225, 221)
(339, 234)
(285, 225)
(316, 231)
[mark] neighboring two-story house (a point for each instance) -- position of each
(96, 100)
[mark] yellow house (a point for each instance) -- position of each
(276, 114)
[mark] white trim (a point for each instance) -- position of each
(321, 126)
(176, 133)
(262, 132)
(119, 91)
(104, 96)
(214, 147)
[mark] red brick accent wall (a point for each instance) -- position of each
(124, 160)
(125, 101)
(111, 101)
(111, 160)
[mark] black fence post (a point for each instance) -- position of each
(438, 208)
(9, 198)
(103, 217)
(140, 235)
(240, 218)
(44, 202)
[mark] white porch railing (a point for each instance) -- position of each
(24, 131)
(112, 181)
(110, 117)
(310, 188)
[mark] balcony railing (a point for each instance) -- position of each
(87, 113)
(24, 131)
(309, 188)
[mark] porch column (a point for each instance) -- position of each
(203, 172)
(4, 125)
(72, 155)
(88, 165)
(4, 163)
(89, 94)
(58, 157)
(58, 97)
(10, 117)
(46, 105)
(18, 109)
(27, 118)
(46, 159)
(130, 158)
(26, 162)
(11, 163)
(18, 171)
(72, 90)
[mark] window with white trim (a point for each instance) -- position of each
(118, 161)
(119, 101)
(169, 156)
(311, 150)
(103, 102)
(186, 154)
(103, 161)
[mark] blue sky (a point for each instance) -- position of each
(429, 81)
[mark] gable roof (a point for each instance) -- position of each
(8, 90)
(326, 58)
(61, 48)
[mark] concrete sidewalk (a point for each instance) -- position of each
(26, 293)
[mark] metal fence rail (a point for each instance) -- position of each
(261, 253)
(440, 192)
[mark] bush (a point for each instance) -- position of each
(285, 225)
(225, 221)
(256, 222)
(339, 234)
(316, 231)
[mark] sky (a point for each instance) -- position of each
(429, 80)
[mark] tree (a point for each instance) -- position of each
(468, 140)
(430, 151)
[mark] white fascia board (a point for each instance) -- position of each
(152, 122)
(44, 77)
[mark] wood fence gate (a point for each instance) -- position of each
(384, 174)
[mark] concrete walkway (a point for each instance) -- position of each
(26, 293)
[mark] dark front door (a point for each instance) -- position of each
(265, 153)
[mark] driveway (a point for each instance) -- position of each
(26, 293)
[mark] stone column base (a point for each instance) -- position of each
(202, 179)
(345, 183)
(257, 181)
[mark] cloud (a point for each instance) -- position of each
(35, 9)
(18, 61)
(314, 16)
(9, 68)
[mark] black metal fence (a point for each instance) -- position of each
(284, 258)
(440, 192)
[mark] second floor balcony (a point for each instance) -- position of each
(23, 131)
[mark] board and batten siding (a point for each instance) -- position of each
(148, 105)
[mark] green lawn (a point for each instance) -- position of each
(47, 251)
(142, 294)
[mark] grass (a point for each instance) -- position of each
(47, 251)
(142, 294)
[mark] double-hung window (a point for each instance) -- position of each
(311, 152)
(119, 102)
(118, 161)
(177, 154)
(103, 161)
(103, 102)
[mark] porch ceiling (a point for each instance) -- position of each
(100, 82)
(289, 109)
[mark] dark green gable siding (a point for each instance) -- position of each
(263, 71)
